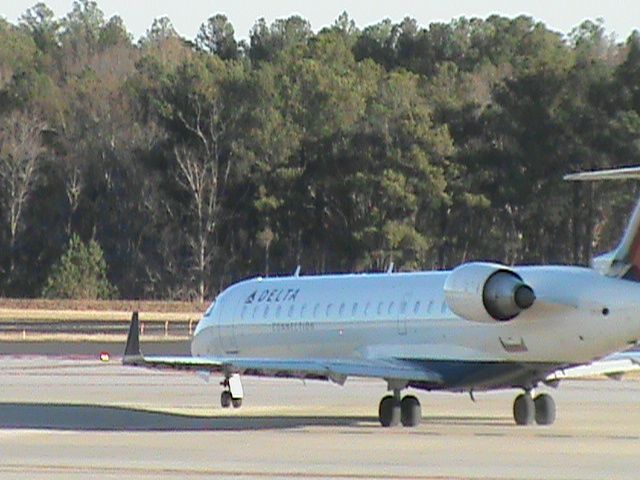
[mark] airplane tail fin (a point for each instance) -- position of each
(624, 260)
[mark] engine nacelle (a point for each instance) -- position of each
(487, 292)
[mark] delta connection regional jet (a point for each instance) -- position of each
(481, 326)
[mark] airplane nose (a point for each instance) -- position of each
(199, 326)
(198, 346)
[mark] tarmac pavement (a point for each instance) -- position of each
(76, 417)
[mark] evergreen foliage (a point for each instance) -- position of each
(196, 163)
(80, 273)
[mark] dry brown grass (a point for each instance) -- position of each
(10, 315)
(97, 310)
(84, 338)
(102, 305)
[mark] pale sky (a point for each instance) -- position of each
(620, 16)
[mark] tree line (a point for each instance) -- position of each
(193, 163)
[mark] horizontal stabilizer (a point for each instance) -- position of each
(611, 174)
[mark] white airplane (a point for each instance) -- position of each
(481, 326)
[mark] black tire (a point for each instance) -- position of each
(389, 411)
(225, 399)
(545, 409)
(524, 410)
(236, 402)
(411, 412)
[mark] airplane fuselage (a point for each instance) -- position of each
(579, 315)
(480, 326)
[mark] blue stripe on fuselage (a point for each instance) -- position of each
(471, 375)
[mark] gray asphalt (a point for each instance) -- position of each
(92, 348)
(94, 327)
(79, 418)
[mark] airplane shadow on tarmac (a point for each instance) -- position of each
(63, 416)
(87, 417)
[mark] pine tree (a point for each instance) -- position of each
(80, 273)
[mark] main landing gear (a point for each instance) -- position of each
(233, 393)
(394, 410)
(541, 409)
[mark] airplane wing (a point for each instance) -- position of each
(336, 370)
(613, 366)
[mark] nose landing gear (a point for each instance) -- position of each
(233, 392)
(225, 399)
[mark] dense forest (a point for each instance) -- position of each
(194, 163)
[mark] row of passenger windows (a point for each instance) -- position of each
(343, 310)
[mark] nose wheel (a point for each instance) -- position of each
(233, 392)
(225, 399)
(541, 409)
(394, 410)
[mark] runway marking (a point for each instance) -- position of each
(205, 472)
(50, 371)
(554, 435)
(622, 437)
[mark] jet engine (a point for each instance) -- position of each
(487, 292)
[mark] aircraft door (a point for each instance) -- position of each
(403, 313)
(227, 327)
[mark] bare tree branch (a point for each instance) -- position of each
(20, 152)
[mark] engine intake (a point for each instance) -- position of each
(487, 292)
